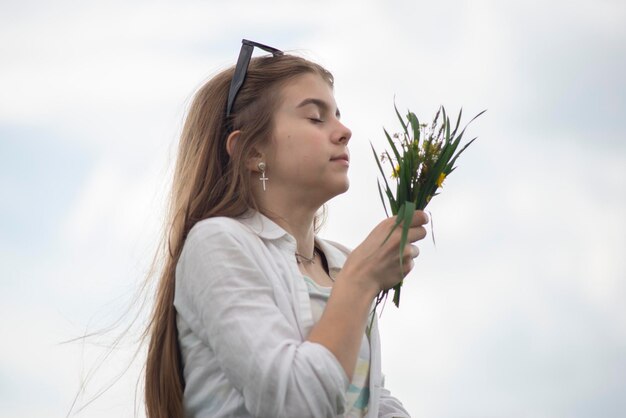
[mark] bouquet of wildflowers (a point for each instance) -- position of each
(421, 158)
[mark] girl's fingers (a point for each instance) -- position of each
(411, 251)
(419, 218)
(408, 266)
(416, 234)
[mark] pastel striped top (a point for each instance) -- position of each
(357, 397)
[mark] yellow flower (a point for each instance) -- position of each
(396, 172)
(440, 180)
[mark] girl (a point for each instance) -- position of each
(255, 315)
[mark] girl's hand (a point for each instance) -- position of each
(376, 265)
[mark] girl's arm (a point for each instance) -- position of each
(370, 268)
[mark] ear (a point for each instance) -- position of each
(230, 142)
(255, 156)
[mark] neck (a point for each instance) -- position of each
(293, 209)
(298, 222)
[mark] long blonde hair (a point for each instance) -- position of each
(208, 182)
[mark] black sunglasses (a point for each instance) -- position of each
(242, 68)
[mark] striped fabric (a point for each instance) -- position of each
(357, 397)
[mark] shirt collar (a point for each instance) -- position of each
(267, 229)
(335, 253)
(263, 226)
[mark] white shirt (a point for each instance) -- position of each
(243, 322)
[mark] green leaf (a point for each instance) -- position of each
(453, 160)
(475, 117)
(382, 198)
(458, 122)
(445, 118)
(393, 146)
(415, 125)
(397, 222)
(407, 217)
(406, 131)
(382, 172)
(396, 294)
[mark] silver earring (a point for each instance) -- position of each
(263, 178)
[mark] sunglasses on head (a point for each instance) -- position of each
(242, 68)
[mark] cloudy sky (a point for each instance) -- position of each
(518, 311)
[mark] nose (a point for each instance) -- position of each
(343, 133)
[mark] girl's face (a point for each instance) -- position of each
(308, 157)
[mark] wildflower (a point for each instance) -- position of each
(425, 167)
(440, 180)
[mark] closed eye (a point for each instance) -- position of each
(315, 120)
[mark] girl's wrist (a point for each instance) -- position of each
(359, 283)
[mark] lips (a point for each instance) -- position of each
(343, 156)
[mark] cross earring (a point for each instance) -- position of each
(263, 178)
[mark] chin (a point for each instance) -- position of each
(346, 187)
(340, 189)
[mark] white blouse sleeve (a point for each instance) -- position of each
(228, 301)
(391, 407)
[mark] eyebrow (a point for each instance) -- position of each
(325, 107)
